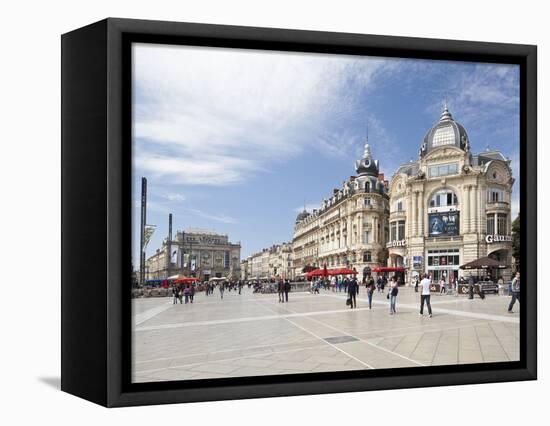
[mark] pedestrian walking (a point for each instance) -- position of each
(442, 286)
(286, 289)
(416, 282)
(471, 287)
(379, 284)
(392, 293)
(175, 294)
(425, 295)
(515, 293)
(186, 294)
(370, 290)
(281, 291)
(222, 289)
(191, 293)
(352, 293)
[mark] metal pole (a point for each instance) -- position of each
(142, 230)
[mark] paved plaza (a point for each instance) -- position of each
(253, 334)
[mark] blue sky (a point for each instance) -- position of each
(237, 140)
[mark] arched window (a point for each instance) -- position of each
(367, 186)
(443, 198)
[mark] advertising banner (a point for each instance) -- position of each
(443, 224)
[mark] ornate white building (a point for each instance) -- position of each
(450, 206)
(350, 229)
(196, 252)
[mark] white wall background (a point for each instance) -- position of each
(30, 210)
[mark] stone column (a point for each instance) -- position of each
(473, 209)
(414, 214)
(421, 214)
(408, 215)
(349, 231)
(466, 208)
(482, 226)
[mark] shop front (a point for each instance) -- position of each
(443, 264)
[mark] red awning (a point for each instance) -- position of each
(330, 272)
(387, 269)
(342, 271)
(315, 273)
(186, 280)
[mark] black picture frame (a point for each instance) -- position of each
(96, 169)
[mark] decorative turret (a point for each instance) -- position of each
(367, 166)
(447, 132)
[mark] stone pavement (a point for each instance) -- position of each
(254, 334)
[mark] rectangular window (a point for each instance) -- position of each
(443, 170)
(366, 237)
(226, 260)
(491, 224)
(495, 195)
(501, 225)
(367, 201)
(393, 231)
(401, 230)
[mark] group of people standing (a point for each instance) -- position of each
(180, 292)
(283, 288)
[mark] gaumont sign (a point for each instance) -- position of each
(490, 239)
(396, 243)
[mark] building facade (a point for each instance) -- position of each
(272, 262)
(196, 253)
(350, 229)
(450, 206)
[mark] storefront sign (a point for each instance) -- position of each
(397, 243)
(490, 239)
(443, 224)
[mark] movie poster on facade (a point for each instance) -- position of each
(443, 224)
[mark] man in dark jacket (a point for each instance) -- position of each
(352, 292)
(287, 289)
(281, 290)
(515, 293)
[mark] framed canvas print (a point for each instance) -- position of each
(255, 212)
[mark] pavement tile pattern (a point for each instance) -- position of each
(253, 334)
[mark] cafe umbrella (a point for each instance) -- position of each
(487, 263)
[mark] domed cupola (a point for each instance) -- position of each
(447, 132)
(301, 216)
(367, 166)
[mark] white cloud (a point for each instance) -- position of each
(216, 217)
(173, 196)
(214, 116)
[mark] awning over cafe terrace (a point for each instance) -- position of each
(330, 272)
(484, 263)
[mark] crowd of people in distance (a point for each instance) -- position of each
(350, 286)
(424, 284)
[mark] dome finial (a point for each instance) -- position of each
(366, 152)
(445, 115)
